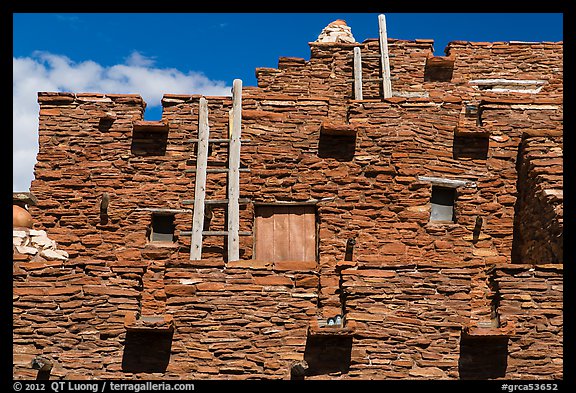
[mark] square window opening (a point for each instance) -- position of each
(442, 202)
(438, 69)
(162, 228)
(149, 142)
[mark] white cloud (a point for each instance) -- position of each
(138, 59)
(44, 71)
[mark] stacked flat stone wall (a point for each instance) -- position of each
(416, 294)
(540, 214)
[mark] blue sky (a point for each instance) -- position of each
(195, 53)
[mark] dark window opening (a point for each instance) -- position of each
(442, 201)
(149, 138)
(438, 69)
(473, 147)
(339, 147)
(162, 229)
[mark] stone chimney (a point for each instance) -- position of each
(336, 31)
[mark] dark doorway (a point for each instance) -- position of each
(146, 352)
(483, 357)
(328, 354)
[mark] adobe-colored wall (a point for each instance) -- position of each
(540, 214)
(413, 287)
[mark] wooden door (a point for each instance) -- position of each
(285, 233)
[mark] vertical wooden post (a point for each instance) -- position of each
(384, 60)
(357, 74)
(234, 173)
(200, 188)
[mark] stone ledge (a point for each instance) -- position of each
(508, 330)
(526, 266)
(472, 131)
(250, 264)
(546, 133)
(148, 323)
(295, 265)
(150, 126)
(202, 263)
(24, 197)
(336, 128)
(314, 329)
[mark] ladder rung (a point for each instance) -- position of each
(216, 233)
(194, 160)
(371, 56)
(368, 56)
(242, 201)
(368, 80)
(218, 140)
(216, 170)
(161, 210)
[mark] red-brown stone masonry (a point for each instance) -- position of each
(424, 280)
(408, 321)
(509, 60)
(531, 296)
(540, 215)
(330, 68)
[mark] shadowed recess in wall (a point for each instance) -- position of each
(326, 355)
(147, 352)
(339, 147)
(470, 147)
(483, 358)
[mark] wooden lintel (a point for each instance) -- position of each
(450, 183)
(295, 203)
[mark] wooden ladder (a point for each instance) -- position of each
(233, 201)
(384, 61)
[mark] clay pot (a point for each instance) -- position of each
(21, 217)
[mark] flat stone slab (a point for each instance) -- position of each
(25, 197)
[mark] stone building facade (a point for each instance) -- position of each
(431, 222)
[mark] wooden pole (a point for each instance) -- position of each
(357, 74)
(200, 188)
(384, 60)
(234, 173)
